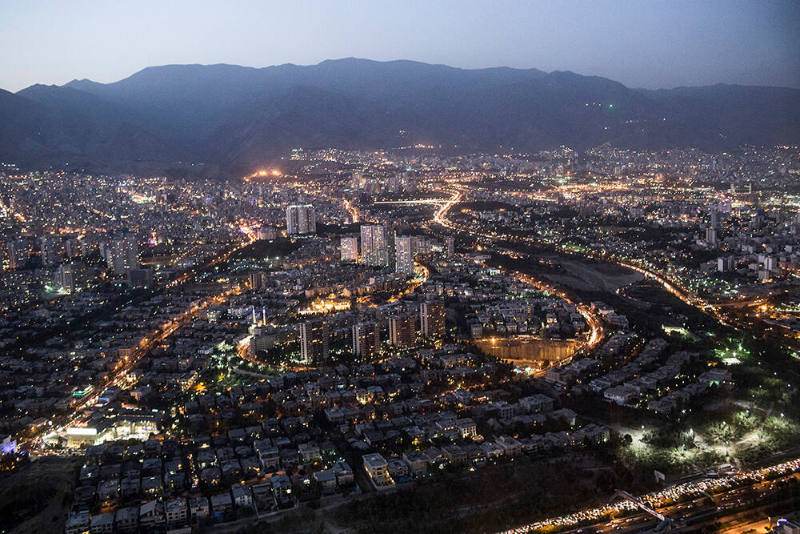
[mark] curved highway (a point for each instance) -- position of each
(671, 286)
(596, 332)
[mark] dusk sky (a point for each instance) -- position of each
(655, 44)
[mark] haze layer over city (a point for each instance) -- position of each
(376, 267)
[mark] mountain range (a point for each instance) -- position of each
(229, 116)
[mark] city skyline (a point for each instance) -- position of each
(400, 321)
(450, 294)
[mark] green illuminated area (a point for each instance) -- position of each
(80, 392)
(220, 376)
(742, 437)
(732, 353)
(743, 425)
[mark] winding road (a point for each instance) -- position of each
(596, 331)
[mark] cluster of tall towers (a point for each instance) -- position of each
(381, 249)
(314, 335)
(301, 220)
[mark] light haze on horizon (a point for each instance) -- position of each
(654, 44)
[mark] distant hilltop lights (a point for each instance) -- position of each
(264, 173)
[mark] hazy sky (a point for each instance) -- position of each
(640, 43)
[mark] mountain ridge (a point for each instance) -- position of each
(233, 116)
